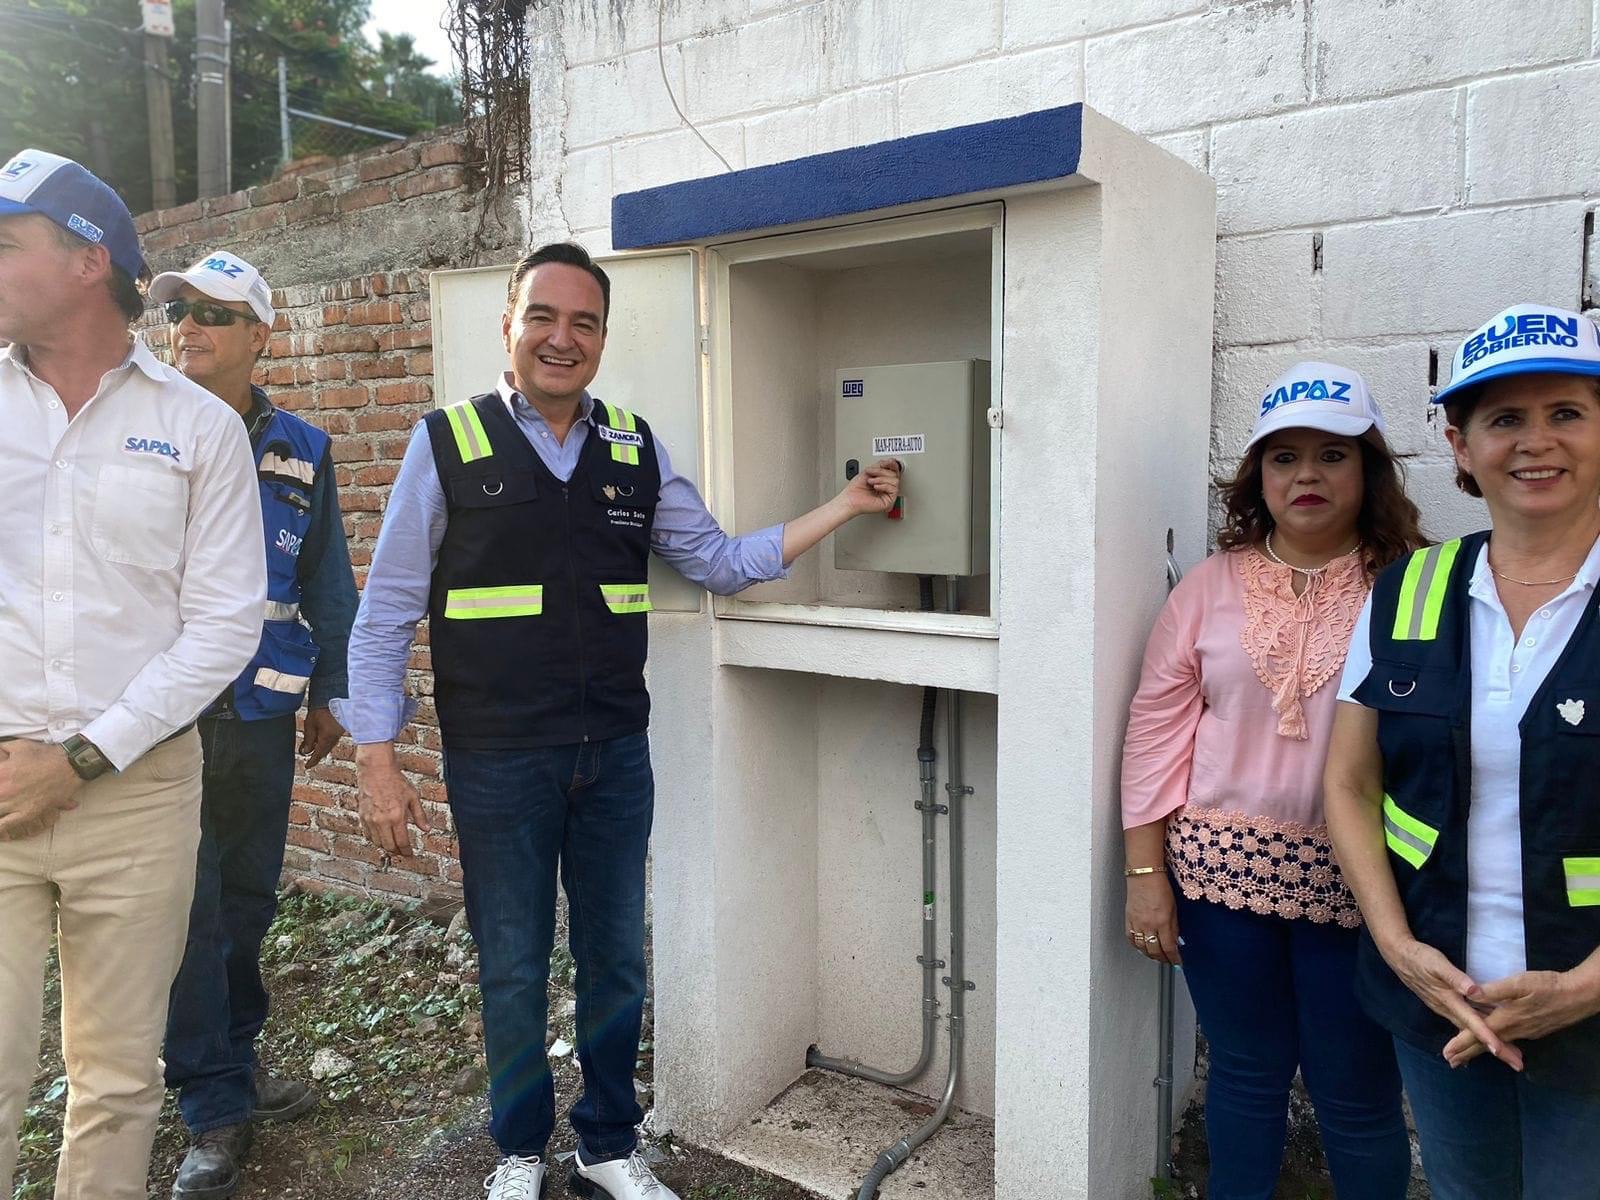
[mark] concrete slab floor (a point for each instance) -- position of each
(826, 1131)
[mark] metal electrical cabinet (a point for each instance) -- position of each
(932, 417)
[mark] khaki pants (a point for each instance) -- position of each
(116, 875)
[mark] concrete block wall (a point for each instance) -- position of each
(1390, 172)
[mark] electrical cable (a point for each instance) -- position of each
(661, 59)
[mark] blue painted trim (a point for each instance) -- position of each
(930, 166)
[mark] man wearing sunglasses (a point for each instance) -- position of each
(220, 317)
(131, 587)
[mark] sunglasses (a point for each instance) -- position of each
(204, 313)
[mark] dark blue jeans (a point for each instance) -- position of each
(1274, 995)
(219, 1002)
(1487, 1133)
(520, 816)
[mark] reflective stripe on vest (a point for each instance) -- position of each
(277, 610)
(476, 604)
(1583, 881)
(1405, 835)
(472, 443)
(298, 469)
(626, 597)
(1422, 590)
(278, 681)
(621, 418)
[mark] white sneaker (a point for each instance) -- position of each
(516, 1179)
(620, 1179)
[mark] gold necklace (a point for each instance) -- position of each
(1531, 582)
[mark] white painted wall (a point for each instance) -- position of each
(1443, 150)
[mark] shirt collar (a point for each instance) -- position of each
(1482, 586)
(138, 356)
(515, 400)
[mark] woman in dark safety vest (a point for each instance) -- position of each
(1463, 781)
(1222, 791)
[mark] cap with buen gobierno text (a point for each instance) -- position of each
(48, 185)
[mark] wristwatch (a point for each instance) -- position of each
(85, 757)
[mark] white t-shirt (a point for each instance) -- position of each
(1506, 673)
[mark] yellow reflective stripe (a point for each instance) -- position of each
(626, 597)
(621, 418)
(1405, 835)
(1583, 881)
(475, 604)
(472, 443)
(1422, 592)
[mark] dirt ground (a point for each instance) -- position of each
(385, 1003)
(388, 1001)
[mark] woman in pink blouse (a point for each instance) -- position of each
(1222, 791)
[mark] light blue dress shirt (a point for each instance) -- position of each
(684, 535)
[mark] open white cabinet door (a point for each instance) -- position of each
(648, 367)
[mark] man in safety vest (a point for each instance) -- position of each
(520, 524)
(220, 315)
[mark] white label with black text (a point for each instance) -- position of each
(899, 443)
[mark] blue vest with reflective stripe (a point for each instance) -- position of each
(1420, 686)
(288, 453)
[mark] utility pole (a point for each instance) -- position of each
(286, 153)
(158, 103)
(211, 96)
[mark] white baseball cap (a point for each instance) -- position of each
(1523, 339)
(222, 276)
(1317, 395)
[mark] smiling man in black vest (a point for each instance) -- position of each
(521, 523)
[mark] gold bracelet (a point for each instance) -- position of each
(1131, 871)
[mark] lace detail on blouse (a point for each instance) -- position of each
(1273, 868)
(1297, 643)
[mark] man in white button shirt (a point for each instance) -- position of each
(131, 592)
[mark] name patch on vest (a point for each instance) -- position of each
(622, 437)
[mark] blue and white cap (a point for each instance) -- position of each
(1317, 395)
(222, 276)
(1521, 340)
(58, 188)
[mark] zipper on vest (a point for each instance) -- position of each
(577, 611)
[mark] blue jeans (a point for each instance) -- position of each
(1489, 1134)
(1274, 995)
(219, 1002)
(520, 816)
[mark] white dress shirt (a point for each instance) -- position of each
(1506, 673)
(132, 576)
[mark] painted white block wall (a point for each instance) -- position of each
(1331, 117)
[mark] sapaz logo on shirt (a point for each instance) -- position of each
(139, 445)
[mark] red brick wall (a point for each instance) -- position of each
(353, 356)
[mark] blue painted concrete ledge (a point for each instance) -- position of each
(931, 166)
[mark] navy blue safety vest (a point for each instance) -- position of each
(536, 614)
(1420, 685)
(288, 453)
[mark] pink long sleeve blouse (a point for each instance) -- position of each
(1228, 733)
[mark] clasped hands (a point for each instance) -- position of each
(1494, 1016)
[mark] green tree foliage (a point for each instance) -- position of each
(76, 69)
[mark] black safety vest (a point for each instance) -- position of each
(538, 599)
(1420, 685)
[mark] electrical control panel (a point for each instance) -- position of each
(932, 417)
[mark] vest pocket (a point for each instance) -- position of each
(483, 603)
(1403, 688)
(626, 597)
(491, 489)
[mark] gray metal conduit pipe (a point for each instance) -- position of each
(894, 1156)
(931, 963)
